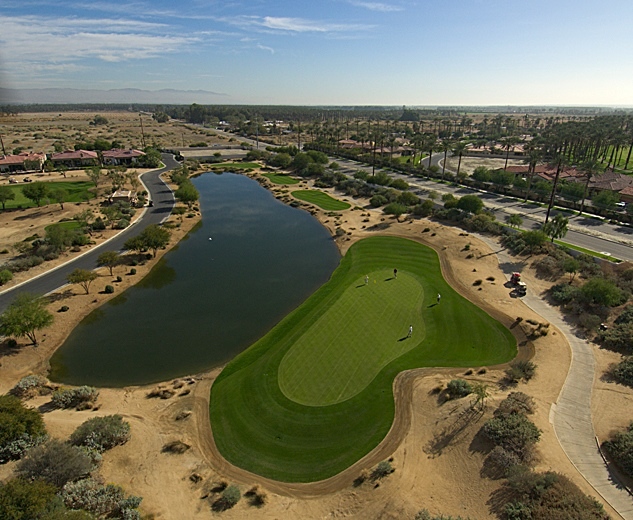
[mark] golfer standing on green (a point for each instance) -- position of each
(410, 331)
(395, 273)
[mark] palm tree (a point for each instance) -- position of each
(562, 160)
(458, 150)
(534, 157)
(590, 167)
(557, 228)
(430, 143)
(509, 143)
(445, 146)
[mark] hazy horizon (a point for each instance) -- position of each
(331, 53)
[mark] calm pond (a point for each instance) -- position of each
(250, 262)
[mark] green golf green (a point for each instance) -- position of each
(315, 395)
(323, 200)
(78, 191)
(280, 178)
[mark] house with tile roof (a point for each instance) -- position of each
(121, 157)
(75, 158)
(22, 162)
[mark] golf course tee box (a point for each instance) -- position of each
(315, 394)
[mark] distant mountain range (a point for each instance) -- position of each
(62, 96)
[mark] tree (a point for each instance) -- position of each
(20, 428)
(36, 191)
(109, 259)
(280, 160)
(502, 178)
(471, 203)
(571, 266)
(480, 390)
(556, 228)
(458, 150)
(534, 239)
(154, 237)
(590, 168)
(600, 291)
(83, 277)
(514, 220)
(513, 432)
(59, 195)
(56, 463)
(24, 317)
(187, 193)
(21, 499)
(605, 199)
(481, 174)
(6, 193)
(94, 174)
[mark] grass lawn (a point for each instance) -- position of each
(314, 395)
(323, 200)
(235, 165)
(77, 192)
(280, 178)
(69, 224)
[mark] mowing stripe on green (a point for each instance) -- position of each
(323, 200)
(280, 178)
(365, 329)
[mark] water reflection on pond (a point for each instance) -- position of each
(250, 261)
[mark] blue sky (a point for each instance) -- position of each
(346, 52)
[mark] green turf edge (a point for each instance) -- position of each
(78, 191)
(323, 200)
(281, 178)
(257, 428)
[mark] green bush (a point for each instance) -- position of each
(520, 370)
(620, 448)
(108, 289)
(383, 469)
(107, 501)
(74, 397)
(21, 499)
(229, 498)
(132, 271)
(600, 291)
(623, 372)
(457, 388)
(29, 386)
(548, 496)
(102, 433)
(377, 201)
(56, 463)
(619, 337)
(514, 432)
(515, 403)
(20, 428)
(5, 276)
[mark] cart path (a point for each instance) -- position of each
(571, 414)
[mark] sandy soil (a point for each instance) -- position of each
(470, 163)
(435, 447)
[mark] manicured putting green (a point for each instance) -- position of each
(360, 334)
(280, 178)
(323, 200)
(315, 395)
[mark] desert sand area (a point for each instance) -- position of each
(436, 450)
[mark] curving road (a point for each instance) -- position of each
(164, 202)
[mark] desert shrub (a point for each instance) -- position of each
(80, 397)
(23, 264)
(501, 462)
(483, 223)
(424, 209)
(564, 293)
(619, 337)
(107, 501)
(457, 388)
(63, 308)
(424, 514)
(102, 433)
(520, 370)
(175, 447)
(20, 428)
(623, 372)
(229, 498)
(626, 316)
(516, 402)
(548, 495)
(589, 321)
(21, 499)
(132, 271)
(620, 448)
(108, 289)
(29, 386)
(514, 432)
(119, 279)
(5, 276)
(383, 469)
(121, 224)
(600, 291)
(56, 463)
(548, 268)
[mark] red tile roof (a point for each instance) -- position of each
(74, 154)
(22, 158)
(122, 154)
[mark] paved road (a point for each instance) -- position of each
(163, 199)
(571, 414)
(586, 232)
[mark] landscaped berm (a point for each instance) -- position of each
(315, 394)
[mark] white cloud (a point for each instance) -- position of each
(291, 25)
(264, 48)
(377, 6)
(48, 40)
